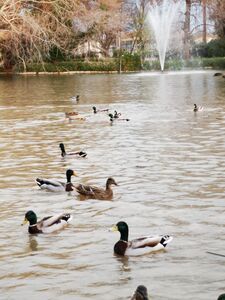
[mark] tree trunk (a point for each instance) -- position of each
(204, 35)
(187, 30)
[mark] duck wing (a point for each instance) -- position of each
(52, 185)
(144, 241)
(147, 245)
(88, 190)
(53, 223)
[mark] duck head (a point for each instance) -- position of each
(94, 109)
(122, 227)
(110, 181)
(63, 151)
(30, 217)
(141, 293)
(69, 174)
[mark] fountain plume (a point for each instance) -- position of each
(160, 17)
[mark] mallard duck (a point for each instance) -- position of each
(218, 74)
(57, 186)
(76, 98)
(221, 297)
(64, 153)
(116, 114)
(112, 118)
(141, 293)
(138, 246)
(47, 224)
(95, 110)
(197, 108)
(96, 192)
(73, 115)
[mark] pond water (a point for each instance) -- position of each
(169, 164)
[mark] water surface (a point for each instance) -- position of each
(167, 160)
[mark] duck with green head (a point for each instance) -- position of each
(139, 246)
(64, 153)
(47, 224)
(57, 186)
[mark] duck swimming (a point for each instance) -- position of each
(64, 153)
(197, 108)
(57, 186)
(95, 110)
(141, 293)
(76, 98)
(140, 246)
(112, 118)
(94, 192)
(47, 224)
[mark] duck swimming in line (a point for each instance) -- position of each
(57, 186)
(47, 224)
(64, 153)
(140, 246)
(141, 293)
(94, 192)
(112, 118)
(116, 114)
(95, 110)
(197, 108)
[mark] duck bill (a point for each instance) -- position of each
(75, 174)
(114, 228)
(24, 222)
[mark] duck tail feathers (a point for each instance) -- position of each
(67, 217)
(166, 239)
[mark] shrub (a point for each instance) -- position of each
(215, 48)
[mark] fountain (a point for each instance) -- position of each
(161, 17)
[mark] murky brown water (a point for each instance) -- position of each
(168, 161)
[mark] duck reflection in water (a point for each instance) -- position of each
(33, 244)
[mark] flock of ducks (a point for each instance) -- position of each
(124, 246)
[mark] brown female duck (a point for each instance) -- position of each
(94, 192)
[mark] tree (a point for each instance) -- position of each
(32, 28)
(217, 14)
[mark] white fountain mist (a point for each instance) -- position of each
(161, 17)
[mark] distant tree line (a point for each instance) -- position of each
(38, 31)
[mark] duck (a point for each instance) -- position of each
(139, 246)
(218, 74)
(221, 297)
(64, 153)
(94, 192)
(95, 110)
(73, 115)
(116, 114)
(197, 108)
(47, 224)
(141, 293)
(76, 98)
(112, 118)
(57, 186)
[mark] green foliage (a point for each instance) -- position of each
(215, 48)
(130, 62)
(214, 62)
(55, 54)
(65, 66)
